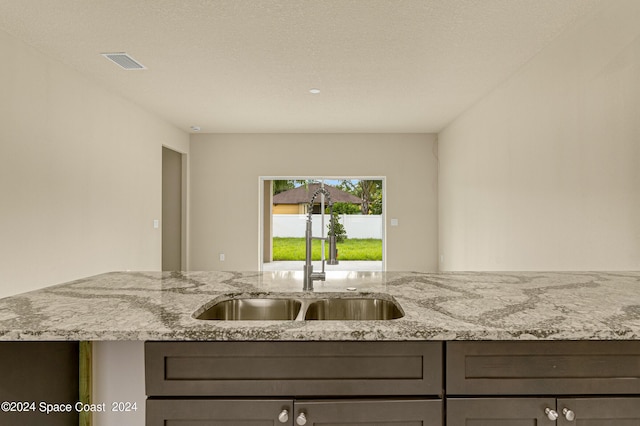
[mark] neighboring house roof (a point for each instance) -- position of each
(302, 194)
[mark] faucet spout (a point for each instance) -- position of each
(309, 275)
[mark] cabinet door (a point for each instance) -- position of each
(369, 412)
(599, 411)
(220, 412)
(499, 411)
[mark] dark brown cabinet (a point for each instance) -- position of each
(417, 412)
(400, 383)
(293, 368)
(599, 411)
(543, 411)
(499, 411)
(219, 412)
(494, 383)
(294, 383)
(543, 368)
(33, 373)
(251, 412)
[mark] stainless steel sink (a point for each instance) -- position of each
(363, 309)
(327, 306)
(264, 309)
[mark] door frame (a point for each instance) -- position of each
(261, 208)
(184, 229)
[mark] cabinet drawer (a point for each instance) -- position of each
(293, 368)
(543, 368)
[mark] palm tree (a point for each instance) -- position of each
(369, 191)
(282, 185)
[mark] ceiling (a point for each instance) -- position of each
(248, 65)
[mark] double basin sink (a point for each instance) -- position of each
(274, 307)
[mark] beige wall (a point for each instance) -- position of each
(225, 171)
(544, 173)
(80, 177)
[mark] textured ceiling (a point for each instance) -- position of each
(248, 65)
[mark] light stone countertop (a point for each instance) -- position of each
(437, 306)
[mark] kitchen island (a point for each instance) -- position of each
(437, 306)
(470, 348)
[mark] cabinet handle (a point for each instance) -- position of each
(551, 414)
(283, 416)
(568, 414)
(301, 420)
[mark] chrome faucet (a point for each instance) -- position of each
(309, 275)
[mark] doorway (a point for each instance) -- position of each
(359, 204)
(172, 211)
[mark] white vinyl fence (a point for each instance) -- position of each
(356, 226)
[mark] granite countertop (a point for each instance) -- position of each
(437, 306)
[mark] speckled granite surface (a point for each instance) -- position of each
(442, 306)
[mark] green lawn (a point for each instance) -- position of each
(350, 249)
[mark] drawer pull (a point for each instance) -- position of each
(302, 419)
(551, 414)
(568, 414)
(283, 417)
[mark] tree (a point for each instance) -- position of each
(285, 185)
(369, 191)
(340, 232)
(344, 208)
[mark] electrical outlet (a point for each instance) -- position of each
(221, 257)
(156, 223)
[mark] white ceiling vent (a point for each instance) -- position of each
(124, 61)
